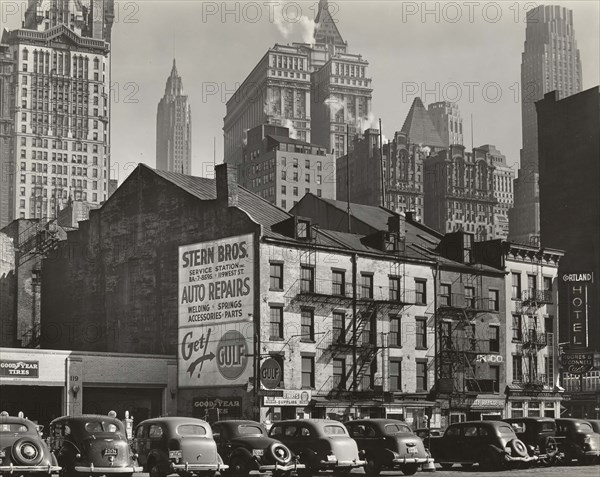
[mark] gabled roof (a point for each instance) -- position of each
(419, 127)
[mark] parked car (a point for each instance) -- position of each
(539, 435)
(491, 444)
(580, 441)
(91, 444)
(246, 447)
(595, 423)
(388, 444)
(181, 445)
(22, 450)
(321, 444)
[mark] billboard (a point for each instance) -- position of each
(215, 308)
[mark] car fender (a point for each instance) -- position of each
(159, 457)
(241, 452)
(308, 457)
(382, 454)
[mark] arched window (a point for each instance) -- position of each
(25, 54)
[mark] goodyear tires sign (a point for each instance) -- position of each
(215, 303)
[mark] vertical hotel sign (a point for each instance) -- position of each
(577, 292)
(215, 302)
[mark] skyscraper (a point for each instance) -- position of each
(174, 128)
(446, 119)
(314, 90)
(59, 92)
(550, 61)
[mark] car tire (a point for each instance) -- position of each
(280, 453)
(372, 467)
(155, 470)
(410, 469)
(27, 443)
(238, 467)
(446, 465)
(518, 448)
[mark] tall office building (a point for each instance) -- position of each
(60, 109)
(550, 62)
(504, 177)
(174, 128)
(446, 119)
(319, 91)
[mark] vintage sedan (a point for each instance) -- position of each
(181, 445)
(321, 444)
(247, 449)
(595, 423)
(388, 444)
(491, 444)
(22, 450)
(539, 435)
(91, 444)
(579, 441)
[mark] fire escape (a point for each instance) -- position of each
(34, 243)
(460, 348)
(533, 337)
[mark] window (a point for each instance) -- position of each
(493, 300)
(445, 294)
(533, 409)
(470, 297)
(308, 372)
(420, 292)
(421, 375)
(394, 289)
(307, 279)
(531, 285)
(338, 327)
(338, 282)
(276, 280)
(517, 362)
(295, 191)
(517, 328)
(307, 178)
(516, 285)
(339, 373)
(516, 409)
(283, 189)
(319, 179)
(495, 376)
(276, 322)
(368, 333)
(548, 284)
(395, 375)
(494, 338)
(395, 335)
(307, 328)
(421, 333)
(283, 204)
(283, 175)
(366, 285)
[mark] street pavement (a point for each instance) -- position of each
(563, 471)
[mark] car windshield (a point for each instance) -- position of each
(13, 427)
(506, 430)
(247, 429)
(191, 430)
(391, 429)
(94, 427)
(584, 426)
(334, 430)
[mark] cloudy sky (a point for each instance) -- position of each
(465, 51)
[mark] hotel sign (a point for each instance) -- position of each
(576, 284)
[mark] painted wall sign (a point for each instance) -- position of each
(215, 304)
(489, 358)
(577, 363)
(19, 369)
(291, 397)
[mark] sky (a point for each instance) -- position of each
(464, 51)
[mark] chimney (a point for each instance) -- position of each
(227, 187)
(410, 216)
(395, 224)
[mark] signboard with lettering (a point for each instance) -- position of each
(270, 373)
(291, 397)
(215, 303)
(19, 369)
(577, 290)
(577, 363)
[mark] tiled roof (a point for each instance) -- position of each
(419, 127)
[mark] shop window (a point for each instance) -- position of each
(516, 409)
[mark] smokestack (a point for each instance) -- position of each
(227, 186)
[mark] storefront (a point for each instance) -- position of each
(460, 408)
(46, 384)
(524, 401)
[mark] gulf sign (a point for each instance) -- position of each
(215, 307)
(576, 284)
